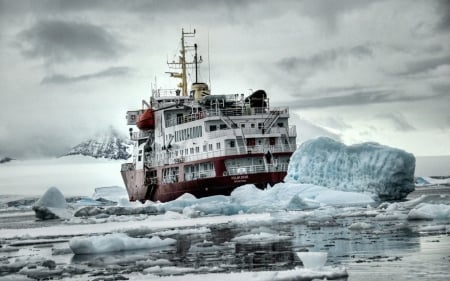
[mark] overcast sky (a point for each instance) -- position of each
(350, 69)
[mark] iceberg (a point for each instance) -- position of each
(52, 205)
(383, 171)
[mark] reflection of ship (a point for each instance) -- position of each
(203, 144)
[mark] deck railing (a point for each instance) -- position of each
(164, 158)
(227, 112)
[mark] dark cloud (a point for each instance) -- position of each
(57, 41)
(443, 10)
(323, 59)
(360, 98)
(398, 120)
(442, 89)
(355, 98)
(425, 65)
(107, 73)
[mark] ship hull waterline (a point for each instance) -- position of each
(201, 187)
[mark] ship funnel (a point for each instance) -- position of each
(199, 91)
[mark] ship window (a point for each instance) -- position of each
(204, 148)
(280, 124)
(252, 125)
(210, 147)
(223, 126)
(218, 145)
(212, 128)
(192, 150)
(243, 125)
(232, 143)
(139, 158)
(260, 126)
(186, 151)
(272, 141)
(197, 149)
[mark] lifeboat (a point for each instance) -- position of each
(146, 120)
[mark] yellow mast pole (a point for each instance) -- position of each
(183, 65)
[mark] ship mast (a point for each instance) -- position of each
(182, 63)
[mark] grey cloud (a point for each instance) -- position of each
(359, 98)
(398, 120)
(58, 41)
(425, 65)
(355, 98)
(323, 59)
(442, 89)
(328, 12)
(443, 9)
(109, 72)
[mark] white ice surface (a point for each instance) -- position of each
(427, 181)
(73, 175)
(260, 237)
(295, 274)
(168, 220)
(249, 199)
(115, 242)
(313, 260)
(368, 167)
(425, 211)
(111, 193)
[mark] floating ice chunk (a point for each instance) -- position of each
(260, 237)
(16, 277)
(428, 181)
(368, 167)
(169, 270)
(360, 226)
(110, 193)
(52, 205)
(299, 203)
(313, 260)
(115, 242)
(40, 272)
(425, 211)
(325, 273)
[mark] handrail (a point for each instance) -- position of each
(165, 159)
(226, 113)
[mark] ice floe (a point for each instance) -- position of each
(425, 211)
(115, 242)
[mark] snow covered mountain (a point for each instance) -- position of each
(110, 145)
(4, 159)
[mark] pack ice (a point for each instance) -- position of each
(368, 167)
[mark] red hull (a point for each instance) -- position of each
(199, 187)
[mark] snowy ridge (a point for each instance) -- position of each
(110, 145)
